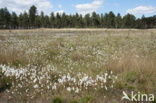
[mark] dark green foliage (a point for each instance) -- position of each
(108, 20)
(129, 21)
(14, 20)
(86, 99)
(5, 82)
(111, 20)
(32, 15)
(118, 21)
(5, 18)
(57, 100)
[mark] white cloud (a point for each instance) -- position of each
(23, 5)
(89, 7)
(142, 10)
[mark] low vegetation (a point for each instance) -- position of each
(76, 65)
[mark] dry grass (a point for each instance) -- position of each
(135, 73)
(130, 54)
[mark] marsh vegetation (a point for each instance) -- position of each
(76, 65)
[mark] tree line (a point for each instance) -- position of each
(31, 19)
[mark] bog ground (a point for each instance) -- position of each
(76, 65)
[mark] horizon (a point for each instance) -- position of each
(135, 7)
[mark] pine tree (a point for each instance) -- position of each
(118, 21)
(95, 19)
(20, 21)
(47, 22)
(52, 20)
(58, 20)
(87, 20)
(129, 21)
(111, 20)
(2, 17)
(108, 20)
(25, 21)
(14, 21)
(42, 19)
(32, 15)
(5, 18)
(38, 22)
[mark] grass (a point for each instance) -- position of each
(78, 55)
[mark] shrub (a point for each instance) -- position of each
(57, 100)
(5, 82)
(86, 99)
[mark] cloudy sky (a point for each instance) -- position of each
(136, 7)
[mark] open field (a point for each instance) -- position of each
(76, 65)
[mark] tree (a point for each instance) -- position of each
(5, 18)
(95, 19)
(42, 19)
(47, 22)
(27, 20)
(52, 20)
(129, 21)
(32, 15)
(118, 21)
(23, 21)
(20, 21)
(58, 21)
(111, 20)
(141, 23)
(104, 20)
(38, 22)
(87, 20)
(2, 24)
(14, 20)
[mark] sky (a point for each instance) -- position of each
(136, 7)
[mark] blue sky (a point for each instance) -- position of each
(136, 7)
